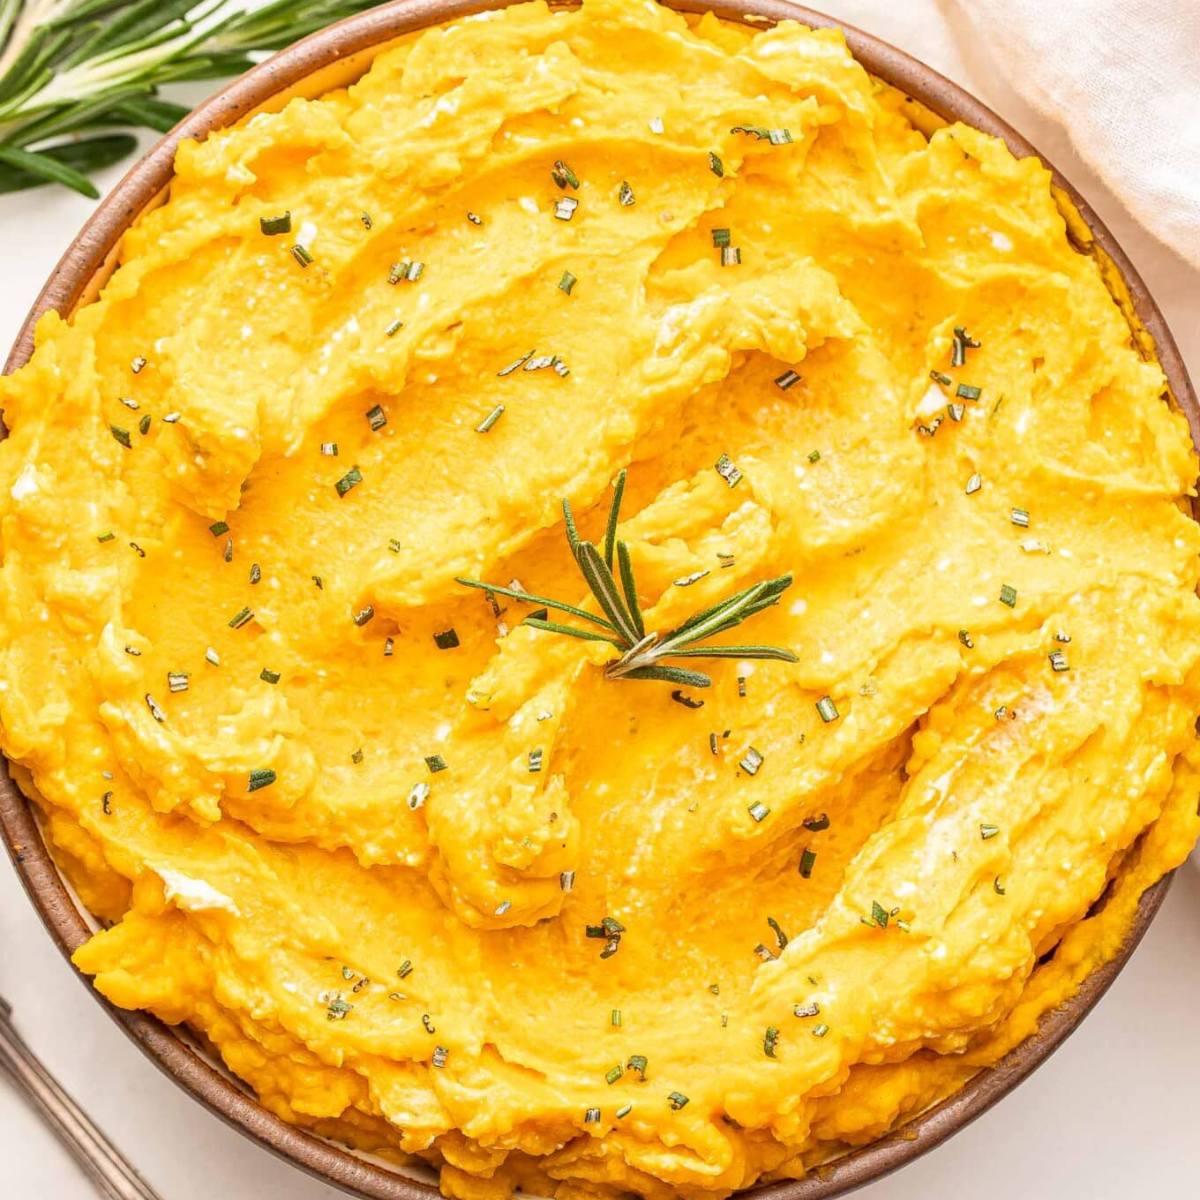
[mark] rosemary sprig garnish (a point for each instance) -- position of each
(93, 67)
(622, 624)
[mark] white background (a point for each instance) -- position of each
(1113, 1115)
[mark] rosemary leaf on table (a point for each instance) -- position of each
(77, 75)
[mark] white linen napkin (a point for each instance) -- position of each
(1119, 78)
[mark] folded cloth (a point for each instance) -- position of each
(1119, 77)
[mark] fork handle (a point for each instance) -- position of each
(113, 1176)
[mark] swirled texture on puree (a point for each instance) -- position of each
(994, 589)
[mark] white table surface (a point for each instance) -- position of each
(1112, 1115)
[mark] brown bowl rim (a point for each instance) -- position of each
(92, 251)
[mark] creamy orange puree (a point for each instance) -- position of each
(220, 680)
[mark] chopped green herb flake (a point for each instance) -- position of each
(1020, 517)
(418, 795)
(728, 471)
(1008, 595)
(122, 436)
(731, 256)
(614, 1018)
(177, 681)
(155, 710)
(376, 417)
(816, 824)
(563, 176)
(770, 1041)
(988, 831)
(241, 618)
(964, 636)
(138, 364)
(269, 676)
(677, 1100)
(301, 255)
(680, 697)
(261, 778)
(106, 537)
(446, 640)
(974, 484)
(820, 1030)
(811, 1009)
(939, 377)
(564, 208)
(808, 859)
(351, 479)
(625, 196)
(623, 1111)
(535, 761)
(1058, 661)
(490, 419)
(614, 1074)
(276, 225)
(567, 282)
(435, 763)
(715, 165)
(721, 238)
(751, 762)
(440, 1054)
(826, 709)
(967, 392)
(787, 380)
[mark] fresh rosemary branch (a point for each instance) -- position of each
(622, 624)
(74, 74)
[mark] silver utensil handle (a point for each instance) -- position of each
(114, 1178)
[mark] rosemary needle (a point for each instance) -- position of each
(622, 624)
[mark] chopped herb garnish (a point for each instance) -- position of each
(535, 761)
(826, 709)
(721, 238)
(964, 636)
(591, 1116)
(301, 255)
(967, 392)
(435, 763)
(137, 549)
(687, 701)
(564, 208)
(106, 804)
(338, 1008)
(260, 778)
(807, 859)
(240, 618)
(741, 687)
(122, 436)
(440, 1054)
(816, 824)
(276, 225)
(728, 470)
(177, 681)
(418, 795)
(474, 218)
(227, 553)
(940, 377)
(770, 1041)
(351, 479)
(974, 484)
(777, 137)
(446, 640)
(329, 449)
(405, 969)
(677, 1100)
(365, 218)
(625, 196)
(1058, 661)
(490, 419)
(731, 256)
(811, 1009)
(688, 580)
(751, 762)
(566, 880)
(108, 536)
(1020, 517)
(814, 456)
(757, 810)
(988, 831)
(998, 886)
(137, 364)
(1008, 595)
(820, 1030)
(211, 656)
(715, 165)
(567, 282)
(388, 647)
(615, 1073)
(564, 176)
(427, 1022)
(787, 380)
(956, 411)
(363, 615)
(155, 711)
(515, 365)
(269, 676)
(171, 417)
(376, 417)
(623, 1111)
